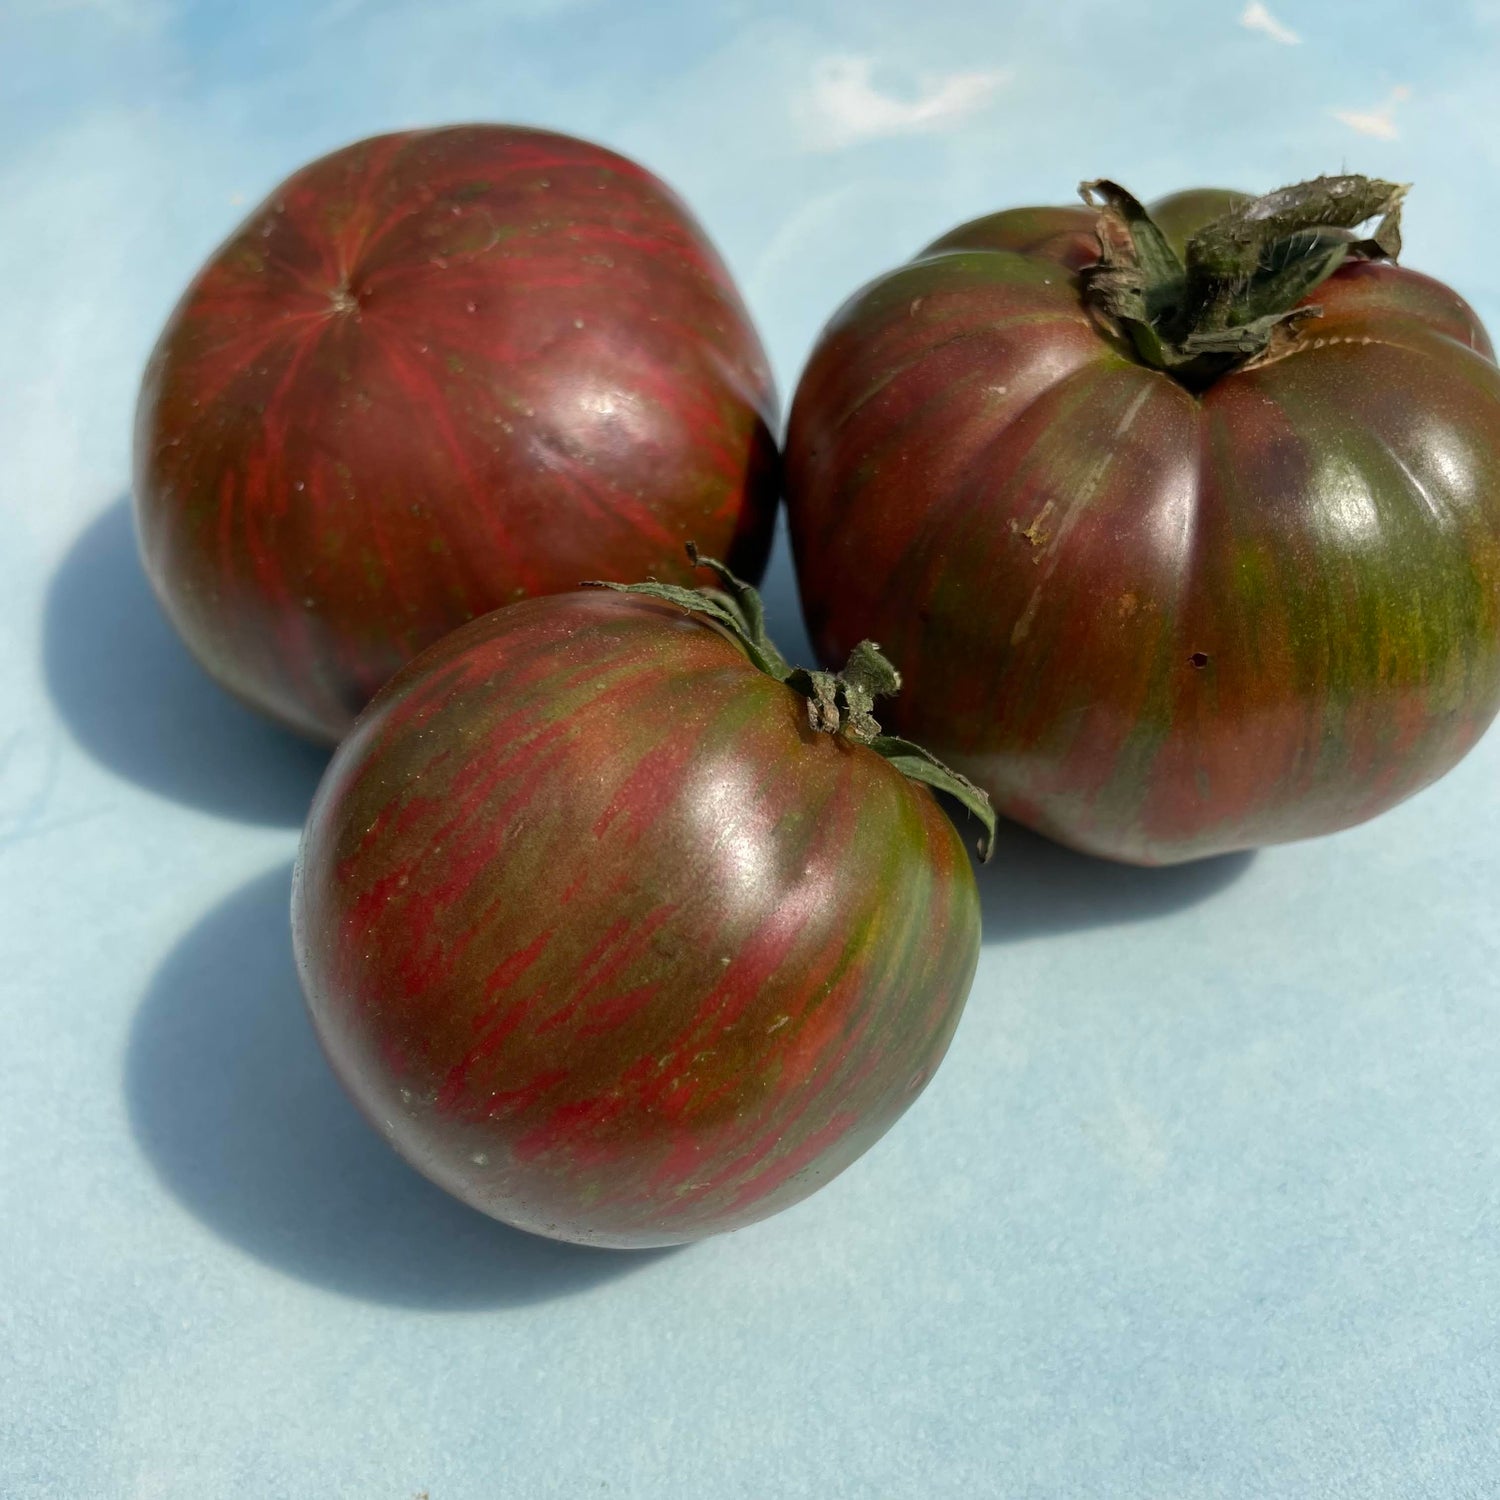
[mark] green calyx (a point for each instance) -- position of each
(1234, 292)
(840, 703)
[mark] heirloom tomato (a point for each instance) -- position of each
(436, 372)
(623, 931)
(1184, 525)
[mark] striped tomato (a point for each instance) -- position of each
(1184, 526)
(433, 373)
(621, 930)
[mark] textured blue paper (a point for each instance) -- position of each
(1205, 1202)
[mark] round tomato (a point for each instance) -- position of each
(609, 938)
(436, 372)
(1183, 525)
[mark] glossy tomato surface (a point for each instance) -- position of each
(609, 943)
(433, 373)
(1156, 623)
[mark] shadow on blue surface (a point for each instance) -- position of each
(233, 1103)
(1033, 887)
(134, 698)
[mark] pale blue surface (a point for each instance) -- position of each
(1205, 1202)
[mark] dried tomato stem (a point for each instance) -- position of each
(1244, 273)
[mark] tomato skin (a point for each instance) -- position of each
(610, 944)
(1156, 625)
(433, 373)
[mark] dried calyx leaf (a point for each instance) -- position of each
(841, 703)
(1242, 275)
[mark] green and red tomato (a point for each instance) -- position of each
(436, 372)
(623, 932)
(1184, 527)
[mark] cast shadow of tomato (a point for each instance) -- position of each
(1033, 888)
(135, 699)
(233, 1103)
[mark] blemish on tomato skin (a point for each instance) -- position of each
(1035, 531)
(1022, 627)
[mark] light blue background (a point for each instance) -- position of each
(1205, 1202)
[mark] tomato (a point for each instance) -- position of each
(609, 940)
(1184, 527)
(433, 373)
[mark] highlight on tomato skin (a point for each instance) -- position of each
(435, 372)
(1167, 574)
(609, 942)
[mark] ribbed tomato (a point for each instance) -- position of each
(609, 940)
(433, 373)
(1171, 565)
